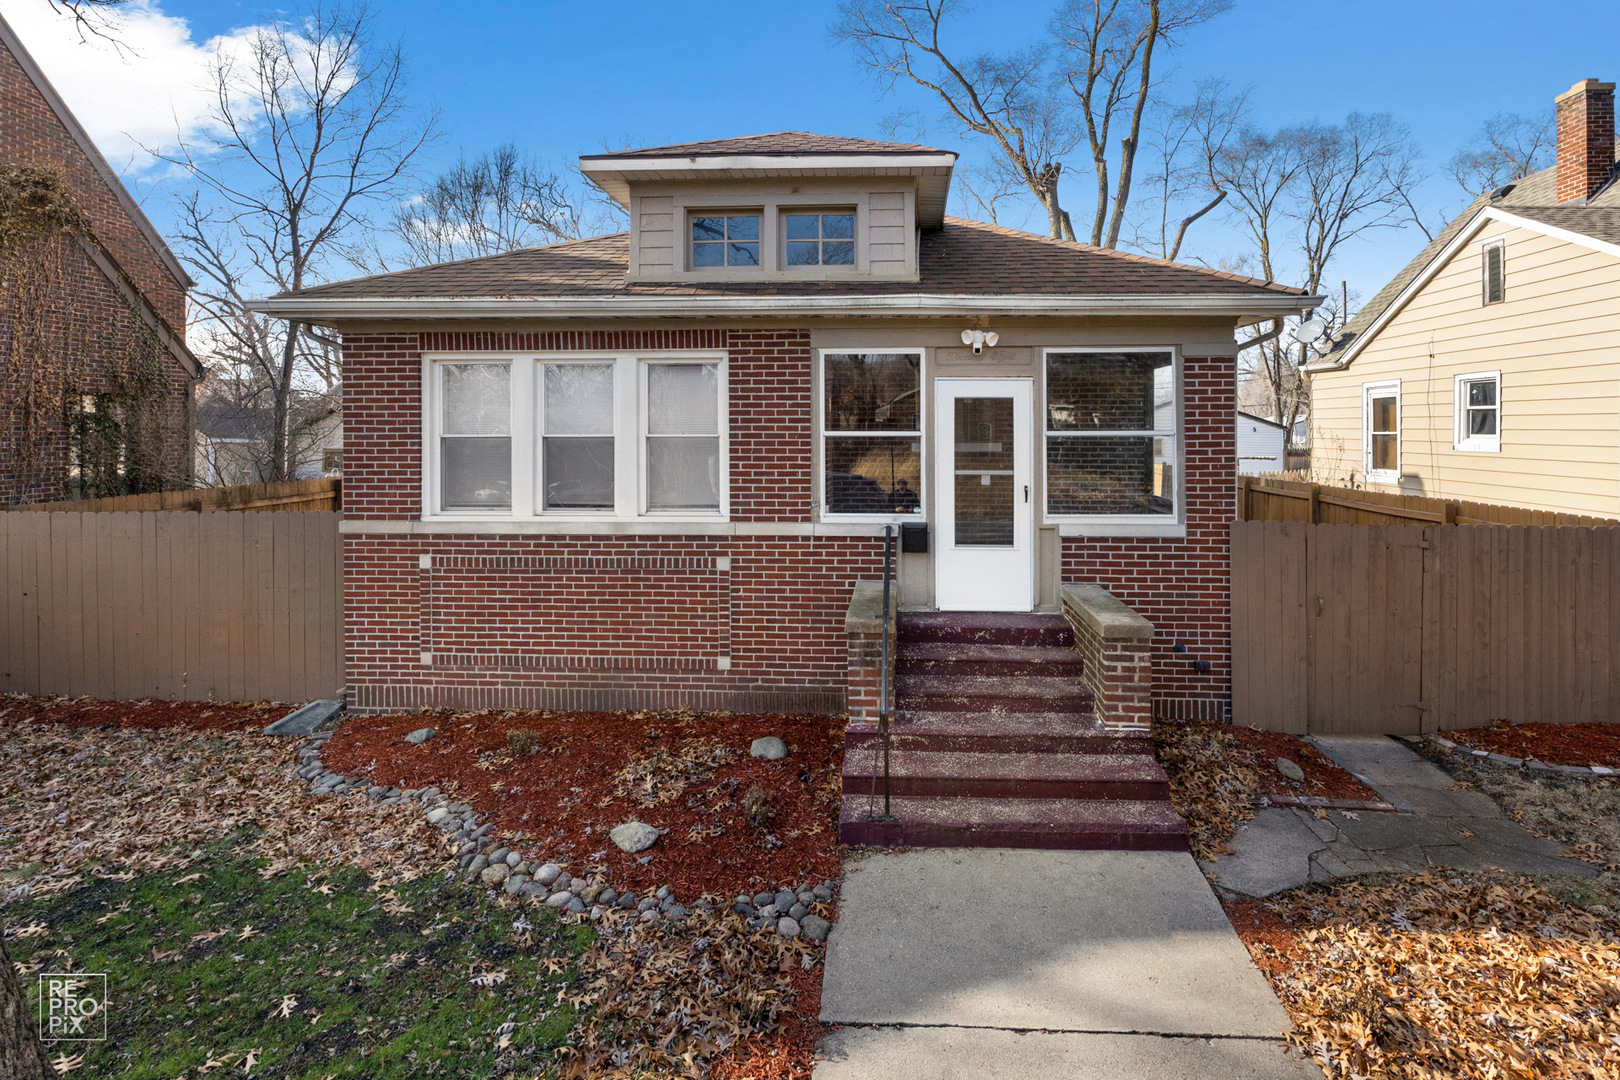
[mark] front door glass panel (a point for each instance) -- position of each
(985, 490)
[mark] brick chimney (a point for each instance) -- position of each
(1585, 139)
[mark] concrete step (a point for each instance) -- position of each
(990, 693)
(1006, 775)
(940, 656)
(1028, 732)
(1051, 824)
(985, 628)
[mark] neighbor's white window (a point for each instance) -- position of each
(871, 433)
(589, 436)
(725, 240)
(1478, 399)
(1111, 439)
(475, 437)
(1381, 432)
(1493, 271)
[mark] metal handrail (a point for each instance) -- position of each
(884, 680)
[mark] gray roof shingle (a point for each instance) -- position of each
(774, 144)
(963, 258)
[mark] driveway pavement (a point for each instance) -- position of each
(986, 963)
(1441, 825)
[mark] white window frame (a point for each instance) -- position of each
(820, 455)
(629, 426)
(1460, 438)
(540, 435)
(1499, 244)
(1173, 523)
(726, 267)
(818, 212)
(1368, 392)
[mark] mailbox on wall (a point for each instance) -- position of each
(914, 538)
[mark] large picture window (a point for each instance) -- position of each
(589, 436)
(871, 414)
(1111, 434)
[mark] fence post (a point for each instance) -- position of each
(1246, 498)
(1316, 504)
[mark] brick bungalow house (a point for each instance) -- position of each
(654, 469)
(122, 290)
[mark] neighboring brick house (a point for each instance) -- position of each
(647, 469)
(119, 282)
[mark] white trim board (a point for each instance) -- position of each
(1444, 256)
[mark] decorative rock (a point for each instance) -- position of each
(577, 886)
(634, 836)
(589, 893)
(663, 892)
(606, 897)
(559, 900)
(576, 905)
(478, 865)
(534, 890)
(523, 868)
(761, 899)
(481, 830)
(1291, 770)
(649, 915)
(797, 912)
(676, 912)
(815, 927)
(420, 735)
(516, 882)
(788, 928)
(770, 748)
(768, 911)
(512, 859)
(628, 900)
(548, 873)
(498, 855)
(784, 900)
(495, 873)
(647, 904)
(746, 910)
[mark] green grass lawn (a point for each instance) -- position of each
(314, 973)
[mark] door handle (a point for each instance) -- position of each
(1026, 493)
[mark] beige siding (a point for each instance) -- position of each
(1555, 338)
(655, 231)
(887, 229)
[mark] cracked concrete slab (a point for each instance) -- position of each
(987, 1054)
(1103, 941)
(1270, 853)
(1403, 777)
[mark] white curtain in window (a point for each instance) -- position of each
(475, 461)
(579, 399)
(477, 399)
(578, 444)
(683, 437)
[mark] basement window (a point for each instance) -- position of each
(1493, 271)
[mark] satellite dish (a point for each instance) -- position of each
(1309, 331)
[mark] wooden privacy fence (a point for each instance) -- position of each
(1403, 629)
(1271, 498)
(185, 606)
(321, 493)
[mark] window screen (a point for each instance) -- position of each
(683, 437)
(475, 437)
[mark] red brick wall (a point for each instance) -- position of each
(1585, 118)
(31, 134)
(1183, 586)
(589, 621)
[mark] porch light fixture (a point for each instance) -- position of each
(979, 339)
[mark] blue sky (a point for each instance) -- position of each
(567, 78)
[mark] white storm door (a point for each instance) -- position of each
(985, 537)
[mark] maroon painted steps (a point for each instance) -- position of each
(1053, 824)
(1006, 775)
(994, 743)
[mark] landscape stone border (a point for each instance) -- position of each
(1468, 753)
(789, 910)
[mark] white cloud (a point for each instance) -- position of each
(148, 90)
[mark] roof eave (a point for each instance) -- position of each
(917, 305)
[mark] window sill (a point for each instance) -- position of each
(1380, 477)
(441, 526)
(1164, 530)
(1477, 448)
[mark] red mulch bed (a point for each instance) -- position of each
(1553, 744)
(1323, 778)
(1258, 923)
(789, 1052)
(560, 801)
(157, 715)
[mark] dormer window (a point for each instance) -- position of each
(821, 239)
(725, 240)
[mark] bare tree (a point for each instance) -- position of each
(1106, 60)
(499, 201)
(1180, 147)
(1302, 193)
(310, 134)
(1007, 99)
(1507, 147)
(21, 1054)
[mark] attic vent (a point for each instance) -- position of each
(1491, 272)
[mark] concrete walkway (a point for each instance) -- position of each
(985, 963)
(1442, 825)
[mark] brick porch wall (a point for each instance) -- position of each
(1183, 586)
(750, 623)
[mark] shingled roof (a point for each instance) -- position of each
(963, 258)
(774, 144)
(1535, 198)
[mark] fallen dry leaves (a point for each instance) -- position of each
(1214, 786)
(667, 1001)
(78, 802)
(1443, 976)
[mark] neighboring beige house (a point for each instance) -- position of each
(1489, 369)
